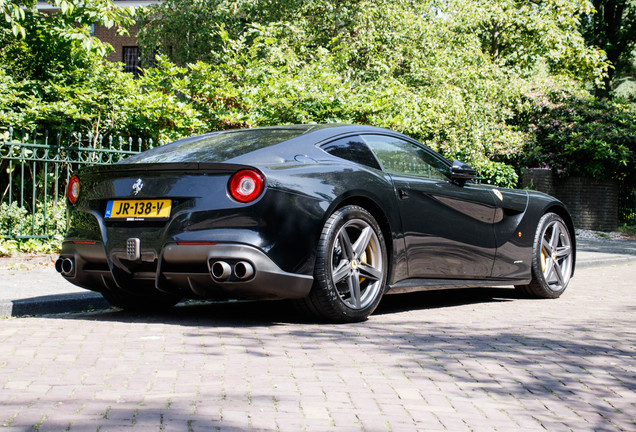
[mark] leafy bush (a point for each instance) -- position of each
(577, 135)
(13, 219)
(19, 221)
(274, 76)
(29, 246)
(428, 69)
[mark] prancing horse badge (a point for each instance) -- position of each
(137, 186)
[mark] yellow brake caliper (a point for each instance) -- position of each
(363, 259)
(543, 260)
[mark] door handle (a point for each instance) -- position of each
(403, 194)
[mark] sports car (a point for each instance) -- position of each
(330, 216)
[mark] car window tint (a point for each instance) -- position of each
(402, 157)
(217, 147)
(352, 149)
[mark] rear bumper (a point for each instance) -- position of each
(183, 270)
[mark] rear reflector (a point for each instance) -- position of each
(84, 242)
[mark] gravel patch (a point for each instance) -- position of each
(600, 235)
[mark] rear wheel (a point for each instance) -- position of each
(552, 258)
(351, 267)
(148, 299)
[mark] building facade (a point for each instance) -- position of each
(125, 48)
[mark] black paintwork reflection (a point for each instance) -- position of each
(479, 211)
(82, 226)
(315, 190)
(448, 228)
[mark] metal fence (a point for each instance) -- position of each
(35, 168)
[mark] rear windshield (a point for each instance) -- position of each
(216, 147)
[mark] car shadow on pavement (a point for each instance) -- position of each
(444, 298)
(264, 313)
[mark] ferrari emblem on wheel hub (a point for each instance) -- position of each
(354, 265)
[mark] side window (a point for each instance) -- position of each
(402, 157)
(352, 149)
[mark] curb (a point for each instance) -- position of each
(604, 262)
(53, 304)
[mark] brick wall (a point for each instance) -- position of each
(592, 203)
(118, 42)
(106, 35)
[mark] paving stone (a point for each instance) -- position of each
(425, 362)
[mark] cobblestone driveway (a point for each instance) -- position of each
(457, 360)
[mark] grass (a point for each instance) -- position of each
(627, 229)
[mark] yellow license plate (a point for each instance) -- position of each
(138, 209)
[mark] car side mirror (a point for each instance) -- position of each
(461, 172)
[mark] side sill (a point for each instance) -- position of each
(413, 285)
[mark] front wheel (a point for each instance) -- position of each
(351, 267)
(552, 258)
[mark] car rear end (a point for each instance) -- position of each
(192, 229)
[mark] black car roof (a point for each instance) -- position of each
(235, 144)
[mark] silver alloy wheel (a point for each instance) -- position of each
(556, 255)
(356, 264)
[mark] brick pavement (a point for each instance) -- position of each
(465, 360)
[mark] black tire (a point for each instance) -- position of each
(148, 299)
(351, 268)
(552, 259)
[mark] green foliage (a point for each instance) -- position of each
(577, 135)
(98, 98)
(31, 246)
(612, 27)
(19, 221)
(450, 74)
(524, 35)
(629, 226)
(12, 218)
(69, 25)
(54, 77)
(397, 76)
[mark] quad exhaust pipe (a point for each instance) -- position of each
(66, 266)
(243, 270)
(221, 271)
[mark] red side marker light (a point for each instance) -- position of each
(246, 185)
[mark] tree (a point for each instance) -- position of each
(188, 30)
(575, 134)
(525, 34)
(396, 64)
(41, 46)
(72, 21)
(612, 28)
(54, 76)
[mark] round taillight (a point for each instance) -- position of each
(246, 185)
(73, 189)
